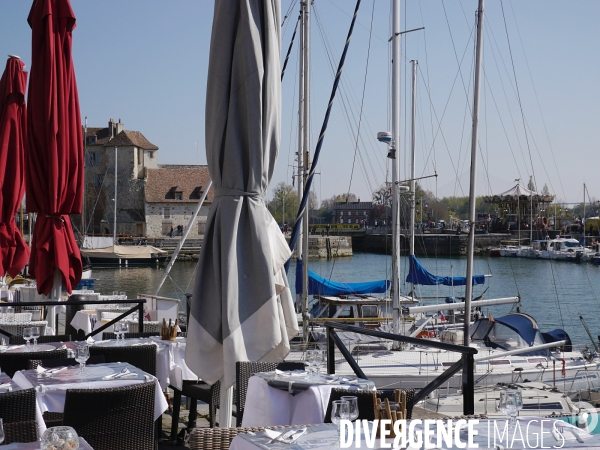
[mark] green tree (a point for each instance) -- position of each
(284, 205)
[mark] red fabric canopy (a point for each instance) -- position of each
(55, 145)
(14, 252)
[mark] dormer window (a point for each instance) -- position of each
(178, 195)
(91, 139)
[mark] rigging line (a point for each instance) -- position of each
(454, 48)
(309, 179)
(426, 64)
(293, 123)
(362, 101)
(287, 13)
(287, 56)
(539, 106)
(345, 99)
(97, 200)
(384, 40)
(517, 86)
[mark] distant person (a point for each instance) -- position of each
(171, 233)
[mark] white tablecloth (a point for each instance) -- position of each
(81, 321)
(178, 369)
(51, 397)
(267, 406)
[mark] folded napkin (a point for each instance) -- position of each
(287, 437)
(4, 385)
(40, 369)
(90, 340)
(294, 373)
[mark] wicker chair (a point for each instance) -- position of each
(18, 340)
(113, 418)
(12, 362)
(110, 335)
(244, 370)
(16, 329)
(220, 438)
(25, 431)
(142, 356)
(18, 406)
(366, 409)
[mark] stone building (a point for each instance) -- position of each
(172, 193)
(352, 212)
(139, 176)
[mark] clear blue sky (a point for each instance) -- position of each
(145, 62)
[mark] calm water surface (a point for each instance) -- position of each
(554, 293)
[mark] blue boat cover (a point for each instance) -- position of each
(318, 285)
(419, 275)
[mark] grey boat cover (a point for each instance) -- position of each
(242, 308)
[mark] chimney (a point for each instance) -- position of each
(120, 127)
(111, 128)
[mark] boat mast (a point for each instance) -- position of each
(115, 200)
(395, 161)
(583, 219)
(474, 141)
(304, 152)
(415, 63)
(85, 157)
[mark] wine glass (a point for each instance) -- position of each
(339, 411)
(35, 334)
(1, 431)
(309, 362)
(27, 336)
(508, 405)
(352, 406)
(82, 353)
(319, 361)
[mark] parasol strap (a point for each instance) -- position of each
(229, 192)
(56, 216)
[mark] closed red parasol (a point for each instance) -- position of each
(14, 252)
(55, 146)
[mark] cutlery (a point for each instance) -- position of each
(115, 375)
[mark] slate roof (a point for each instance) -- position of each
(352, 205)
(164, 182)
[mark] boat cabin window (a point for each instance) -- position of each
(499, 362)
(536, 360)
(572, 244)
(369, 311)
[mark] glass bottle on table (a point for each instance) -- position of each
(10, 314)
(35, 334)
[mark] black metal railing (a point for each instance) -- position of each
(139, 308)
(466, 363)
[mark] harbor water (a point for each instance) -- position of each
(554, 293)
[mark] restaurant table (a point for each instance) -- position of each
(51, 390)
(268, 404)
(83, 445)
(178, 369)
(325, 436)
(82, 321)
(170, 358)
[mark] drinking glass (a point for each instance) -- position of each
(10, 314)
(319, 361)
(508, 405)
(82, 353)
(1, 431)
(309, 362)
(352, 406)
(35, 334)
(339, 412)
(27, 336)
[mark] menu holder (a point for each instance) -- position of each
(168, 332)
(390, 411)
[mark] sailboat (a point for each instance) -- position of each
(511, 348)
(123, 255)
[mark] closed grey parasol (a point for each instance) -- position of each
(242, 308)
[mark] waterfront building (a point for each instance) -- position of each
(352, 212)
